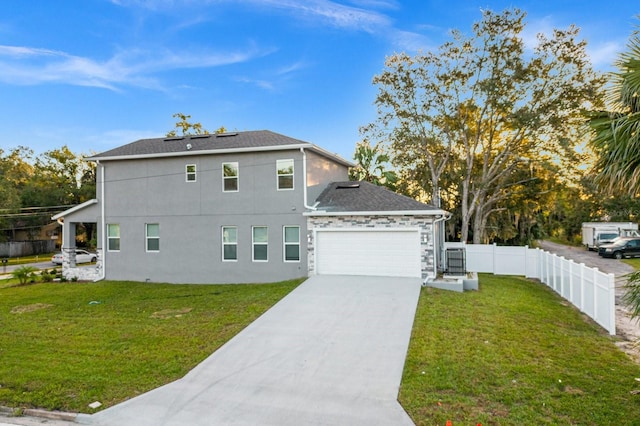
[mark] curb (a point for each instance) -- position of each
(36, 412)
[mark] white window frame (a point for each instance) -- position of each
(188, 173)
(110, 238)
(230, 243)
(148, 238)
(278, 174)
(255, 243)
(285, 243)
(236, 177)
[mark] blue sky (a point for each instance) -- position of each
(96, 74)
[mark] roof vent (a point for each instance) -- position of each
(347, 185)
(206, 135)
(225, 135)
(188, 146)
(175, 138)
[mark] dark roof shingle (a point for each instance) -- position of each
(211, 142)
(361, 196)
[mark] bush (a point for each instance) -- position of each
(24, 274)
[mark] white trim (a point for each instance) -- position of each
(309, 146)
(74, 209)
(187, 173)
(293, 175)
(285, 244)
(109, 238)
(146, 237)
(237, 176)
(253, 244)
(222, 228)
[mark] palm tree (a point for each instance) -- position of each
(617, 143)
(617, 132)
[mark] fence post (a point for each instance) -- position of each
(595, 298)
(493, 256)
(582, 266)
(612, 304)
(571, 263)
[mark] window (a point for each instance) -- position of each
(291, 243)
(230, 177)
(113, 237)
(191, 172)
(153, 236)
(229, 243)
(260, 243)
(285, 174)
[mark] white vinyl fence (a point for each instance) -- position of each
(591, 291)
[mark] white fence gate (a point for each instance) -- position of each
(591, 291)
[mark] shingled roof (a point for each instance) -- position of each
(258, 140)
(361, 196)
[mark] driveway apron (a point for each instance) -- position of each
(330, 353)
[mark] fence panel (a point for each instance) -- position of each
(26, 248)
(591, 291)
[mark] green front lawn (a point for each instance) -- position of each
(66, 345)
(514, 353)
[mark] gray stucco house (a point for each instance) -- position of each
(241, 207)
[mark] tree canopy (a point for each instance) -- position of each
(473, 120)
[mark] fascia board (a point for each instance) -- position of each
(74, 209)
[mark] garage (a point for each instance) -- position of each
(383, 252)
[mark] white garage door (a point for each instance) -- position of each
(393, 253)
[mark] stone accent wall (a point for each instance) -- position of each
(85, 273)
(424, 223)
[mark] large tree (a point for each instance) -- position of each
(617, 130)
(480, 107)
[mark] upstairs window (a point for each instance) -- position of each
(113, 237)
(291, 243)
(260, 239)
(229, 243)
(190, 173)
(285, 174)
(153, 236)
(230, 177)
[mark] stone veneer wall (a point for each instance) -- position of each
(85, 273)
(424, 223)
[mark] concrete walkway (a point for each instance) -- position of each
(330, 353)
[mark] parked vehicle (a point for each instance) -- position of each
(595, 234)
(82, 256)
(622, 248)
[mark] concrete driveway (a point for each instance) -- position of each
(330, 353)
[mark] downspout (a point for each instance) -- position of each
(103, 229)
(304, 180)
(60, 221)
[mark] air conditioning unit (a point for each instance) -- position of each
(455, 261)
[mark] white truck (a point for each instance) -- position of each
(595, 234)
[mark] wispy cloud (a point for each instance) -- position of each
(361, 15)
(30, 66)
(604, 55)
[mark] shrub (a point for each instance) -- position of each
(24, 274)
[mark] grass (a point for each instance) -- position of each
(635, 262)
(514, 353)
(66, 345)
(28, 259)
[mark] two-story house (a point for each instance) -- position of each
(241, 207)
